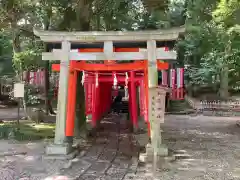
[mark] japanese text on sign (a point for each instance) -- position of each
(157, 104)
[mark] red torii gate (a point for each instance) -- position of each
(98, 82)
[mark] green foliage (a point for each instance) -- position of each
(228, 13)
(27, 60)
(19, 17)
(212, 42)
(31, 95)
(177, 12)
(5, 55)
(26, 131)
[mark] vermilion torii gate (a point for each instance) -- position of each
(146, 62)
(129, 74)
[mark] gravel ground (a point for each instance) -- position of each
(205, 147)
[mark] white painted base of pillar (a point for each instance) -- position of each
(162, 156)
(59, 149)
(162, 151)
(149, 149)
(143, 157)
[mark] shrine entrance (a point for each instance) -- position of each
(103, 70)
(101, 82)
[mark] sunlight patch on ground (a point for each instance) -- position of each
(200, 169)
(180, 151)
(41, 126)
(57, 178)
(29, 158)
(214, 134)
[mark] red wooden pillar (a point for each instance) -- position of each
(95, 104)
(146, 97)
(142, 100)
(182, 83)
(180, 95)
(98, 112)
(109, 97)
(134, 99)
(98, 101)
(94, 118)
(105, 98)
(173, 84)
(86, 98)
(90, 97)
(101, 103)
(130, 102)
(34, 78)
(71, 104)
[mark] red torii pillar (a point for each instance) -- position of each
(71, 102)
(133, 100)
(94, 108)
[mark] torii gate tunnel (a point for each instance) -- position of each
(100, 78)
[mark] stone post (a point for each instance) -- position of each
(155, 149)
(60, 146)
(152, 76)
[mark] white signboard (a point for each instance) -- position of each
(157, 104)
(19, 90)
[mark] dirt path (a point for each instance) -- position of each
(210, 147)
(207, 148)
(10, 113)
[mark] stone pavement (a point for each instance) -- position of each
(112, 154)
(205, 148)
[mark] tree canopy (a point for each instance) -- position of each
(209, 50)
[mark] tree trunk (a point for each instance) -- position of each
(48, 97)
(223, 91)
(153, 5)
(48, 105)
(83, 13)
(16, 45)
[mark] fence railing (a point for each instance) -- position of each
(213, 105)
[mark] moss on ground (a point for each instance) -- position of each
(26, 130)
